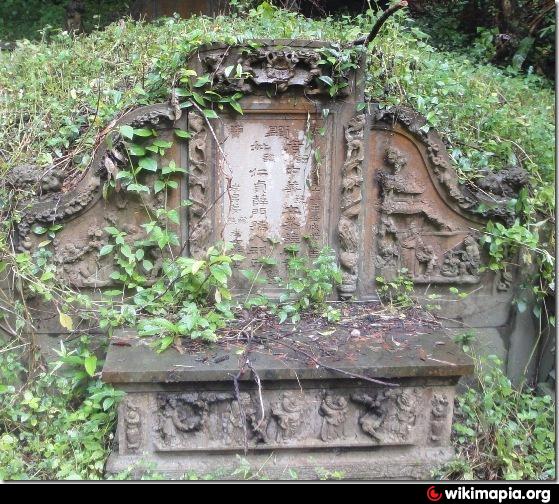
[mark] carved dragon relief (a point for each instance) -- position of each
(199, 220)
(351, 197)
(279, 68)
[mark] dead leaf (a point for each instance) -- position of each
(422, 354)
(66, 321)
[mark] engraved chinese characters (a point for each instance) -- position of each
(275, 195)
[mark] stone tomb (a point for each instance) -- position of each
(299, 167)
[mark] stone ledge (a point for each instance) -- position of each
(408, 356)
(401, 462)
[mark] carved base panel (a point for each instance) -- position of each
(374, 414)
(341, 425)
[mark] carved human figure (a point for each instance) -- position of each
(439, 412)
(288, 416)
(132, 422)
(451, 265)
(471, 256)
(334, 412)
(425, 254)
(376, 409)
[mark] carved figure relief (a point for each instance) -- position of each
(413, 233)
(389, 415)
(334, 411)
(440, 409)
(132, 426)
(288, 416)
(187, 413)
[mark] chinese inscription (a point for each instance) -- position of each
(275, 197)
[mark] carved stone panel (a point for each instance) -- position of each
(69, 218)
(418, 218)
(273, 186)
(313, 418)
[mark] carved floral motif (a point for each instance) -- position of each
(278, 68)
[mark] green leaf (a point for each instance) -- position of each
(218, 273)
(210, 114)
(158, 186)
(235, 105)
(90, 364)
(148, 163)
(136, 150)
(138, 188)
(182, 133)
(127, 131)
(143, 132)
(39, 230)
(106, 249)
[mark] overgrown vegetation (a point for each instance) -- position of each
(501, 432)
(59, 99)
(53, 426)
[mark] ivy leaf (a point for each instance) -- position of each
(182, 133)
(149, 164)
(210, 114)
(219, 273)
(106, 249)
(202, 81)
(90, 364)
(137, 188)
(327, 80)
(39, 230)
(136, 150)
(127, 131)
(235, 105)
(143, 132)
(158, 186)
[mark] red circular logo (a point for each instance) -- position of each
(433, 495)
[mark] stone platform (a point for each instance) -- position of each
(317, 412)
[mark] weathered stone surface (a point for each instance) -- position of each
(140, 364)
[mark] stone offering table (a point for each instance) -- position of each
(182, 413)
